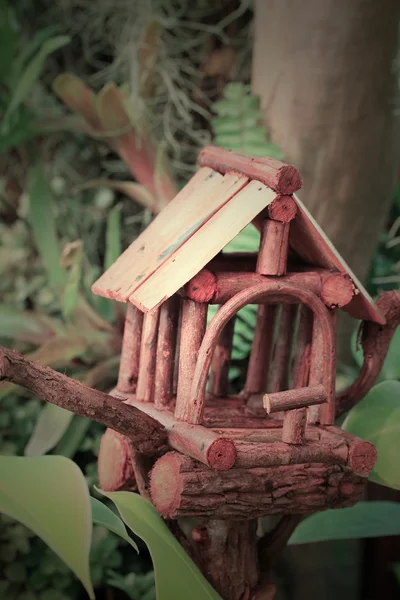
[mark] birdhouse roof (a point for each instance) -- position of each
(222, 198)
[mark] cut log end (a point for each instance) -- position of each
(114, 466)
(283, 208)
(289, 180)
(166, 484)
(362, 457)
(221, 455)
(337, 290)
(202, 287)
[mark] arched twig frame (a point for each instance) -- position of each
(323, 344)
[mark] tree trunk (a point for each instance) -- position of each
(326, 74)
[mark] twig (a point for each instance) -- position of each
(145, 432)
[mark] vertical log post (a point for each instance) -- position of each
(193, 327)
(166, 349)
(281, 359)
(129, 363)
(261, 350)
(219, 372)
(147, 363)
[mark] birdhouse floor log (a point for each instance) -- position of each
(181, 487)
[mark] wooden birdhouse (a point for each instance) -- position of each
(272, 448)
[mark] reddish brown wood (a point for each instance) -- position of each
(177, 352)
(362, 454)
(166, 349)
(141, 466)
(219, 372)
(375, 342)
(274, 247)
(235, 417)
(181, 487)
(294, 424)
(114, 466)
(293, 399)
(280, 367)
(194, 318)
(261, 349)
(202, 287)
(276, 175)
(198, 442)
(283, 208)
(148, 351)
(147, 434)
(274, 292)
(231, 557)
(301, 363)
(334, 286)
(267, 435)
(129, 364)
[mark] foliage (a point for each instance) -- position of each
(58, 509)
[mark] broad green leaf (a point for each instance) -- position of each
(102, 515)
(377, 419)
(364, 520)
(49, 495)
(52, 423)
(32, 73)
(43, 226)
(59, 351)
(27, 326)
(175, 573)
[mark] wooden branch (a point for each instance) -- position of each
(294, 424)
(130, 353)
(239, 416)
(202, 287)
(276, 175)
(283, 208)
(200, 443)
(375, 342)
(362, 455)
(114, 465)
(274, 247)
(166, 350)
(141, 466)
(293, 399)
(301, 363)
(146, 433)
(280, 367)
(219, 372)
(229, 283)
(261, 350)
(181, 487)
(148, 351)
(194, 316)
(266, 435)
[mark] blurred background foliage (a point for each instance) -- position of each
(75, 190)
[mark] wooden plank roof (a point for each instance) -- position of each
(199, 222)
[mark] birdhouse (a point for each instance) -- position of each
(272, 448)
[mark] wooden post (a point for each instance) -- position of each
(147, 364)
(272, 259)
(166, 348)
(280, 365)
(219, 372)
(194, 318)
(261, 350)
(129, 364)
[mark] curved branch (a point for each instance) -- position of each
(146, 433)
(375, 342)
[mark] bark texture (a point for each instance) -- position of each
(326, 75)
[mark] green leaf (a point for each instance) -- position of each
(29, 49)
(377, 419)
(49, 495)
(364, 520)
(50, 427)
(43, 226)
(31, 74)
(113, 237)
(59, 351)
(175, 573)
(73, 437)
(27, 326)
(102, 515)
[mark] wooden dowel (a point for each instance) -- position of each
(130, 353)
(166, 348)
(177, 351)
(294, 424)
(292, 399)
(181, 488)
(261, 350)
(202, 287)
(196, 441)
(194, 317)
(362, 455)
(147, 363)
(114, 466)
(219, 371)
(301, 363)
(283, 208)
(281, 360)
(273, 173)
(265, 435)
(237, 417)
(274, 247)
